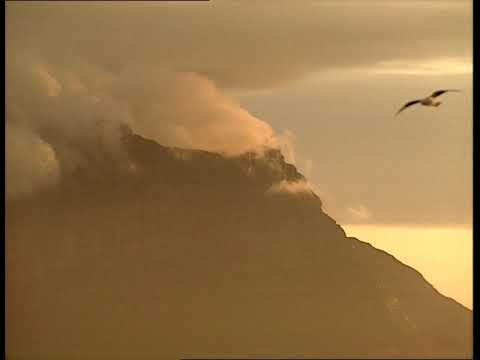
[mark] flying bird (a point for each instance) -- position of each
(428, 101)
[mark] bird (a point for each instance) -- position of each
(428, 101)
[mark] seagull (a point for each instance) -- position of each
(428, 101)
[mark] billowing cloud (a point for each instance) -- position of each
(79, 113)
(78, 74)
(187, 110)
(31, 163)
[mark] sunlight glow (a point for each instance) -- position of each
(443, 255)
(438, 66)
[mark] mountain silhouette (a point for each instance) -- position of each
(190, 254)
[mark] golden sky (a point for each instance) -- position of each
(443, 255)
(320, 78)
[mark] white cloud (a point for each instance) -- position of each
(286, 187)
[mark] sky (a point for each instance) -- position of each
(448, 267)
(369, 166)
(320, 79)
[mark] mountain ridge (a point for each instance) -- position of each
(123, 252)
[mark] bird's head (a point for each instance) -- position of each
(438, 103)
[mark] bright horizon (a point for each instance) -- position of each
(443, 255)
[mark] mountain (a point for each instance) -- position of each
(193, 254)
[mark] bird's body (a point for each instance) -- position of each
(428, 101)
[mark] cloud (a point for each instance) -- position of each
(187, 110)
(51, 86)
(286, 142)
(79, 113)
(284, 40)
(358, 213)
(308, 168)
(436, 66)
(77, 75)
(31, 163)
(287, 187)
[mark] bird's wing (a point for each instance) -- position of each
(410, 103)
(440, 92)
